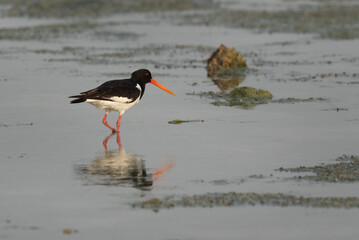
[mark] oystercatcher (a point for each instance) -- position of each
(118, 95)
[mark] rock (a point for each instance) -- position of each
(223, 59)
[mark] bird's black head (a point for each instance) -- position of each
(141, 76)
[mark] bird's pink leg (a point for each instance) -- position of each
(118, 123)
(106, 124)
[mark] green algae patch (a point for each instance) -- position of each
(299, 100)
(115, 36)
(249, 92)
(179, 121)
(85, 55)
(231, 199)
(107, 55)
(45, 51)
(244, 97)
(346, 169)
(152, 203)
(16, 125)
(334, 20)
(57, 30)
(45, 32)
(248, 98)
(117, 55)
(96, 8)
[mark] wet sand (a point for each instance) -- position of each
(58, 179)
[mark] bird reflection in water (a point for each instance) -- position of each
(118, 167)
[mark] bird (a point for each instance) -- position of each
(118, 95)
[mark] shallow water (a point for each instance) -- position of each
(49, 148)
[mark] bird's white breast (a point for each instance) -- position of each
(115, 103)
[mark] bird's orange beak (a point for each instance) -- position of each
(160, 86)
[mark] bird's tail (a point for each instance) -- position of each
(79, 99)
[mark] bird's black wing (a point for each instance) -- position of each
(114, 88)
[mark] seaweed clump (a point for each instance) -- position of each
(244, 97)
(179, 121)
(249, 92)
(48, 31)
(95, 8)
(248, 199)
(248, 98)
(345, 170)
(334, 20)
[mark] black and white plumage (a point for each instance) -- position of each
(119, 95)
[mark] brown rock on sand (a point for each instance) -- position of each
(224, 58)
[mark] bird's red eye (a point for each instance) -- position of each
(147, 74)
